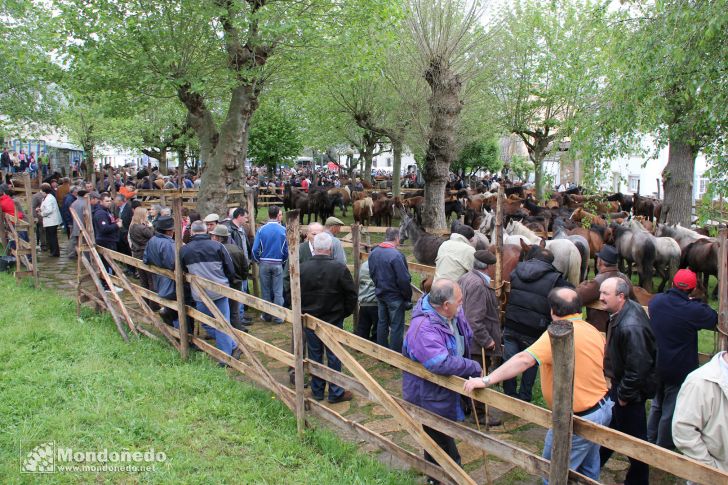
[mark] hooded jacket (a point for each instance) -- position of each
(105, 227)
(207, 259)
(430, 342)
(454, 258)
(528, 310)
(631, 354)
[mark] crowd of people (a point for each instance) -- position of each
(624, 355)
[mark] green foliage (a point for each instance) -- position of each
(477, 156)
(74, 381)
(520, 167)
(275, 137)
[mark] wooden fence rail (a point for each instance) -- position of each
(92, 274)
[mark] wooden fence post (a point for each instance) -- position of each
(179, 280)
(723, 290)
(356, 252)
(561, 335)
(292, 233)
(256, 270)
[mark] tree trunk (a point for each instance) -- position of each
(677, 180)
(90, 162)
(445, 107)
(163, 169)
(538, 174)
(396, 166)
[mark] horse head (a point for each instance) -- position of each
(404, 227)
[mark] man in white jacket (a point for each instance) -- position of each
(700, 422)
(51, 215)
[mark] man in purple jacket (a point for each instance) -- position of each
(439, 338)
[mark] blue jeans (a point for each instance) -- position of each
(316, 350)
(659, 424)
(584, 456)
(223, 341)
(513, 343)
(391, 321)
(271, 285)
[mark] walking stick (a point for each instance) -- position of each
(488, 479)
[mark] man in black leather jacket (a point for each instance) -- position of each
(629, 362)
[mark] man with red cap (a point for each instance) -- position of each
(676, 319)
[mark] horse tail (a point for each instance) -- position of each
(648, 258)
(575, 266)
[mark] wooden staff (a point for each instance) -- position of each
(356, 251)
(499, 244)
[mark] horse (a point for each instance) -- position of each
(453, 206)
(650, 208)
(636, 247)
(580, 214)
(682, 235)
(363, 210)
(424, 246)
(701, 256)
(625, 201)
(667, 255)
(581, 244)
(567, 258)
(383, 211)
(345, 194)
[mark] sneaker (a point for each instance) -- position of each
(247, 321)
(346, 396)
(278, 321)
(266, 318)
(318, 398)
(116, 289)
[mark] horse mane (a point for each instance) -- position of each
(601, 230)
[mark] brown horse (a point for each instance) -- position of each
(363, 211)
(701, 256)
(580, 214)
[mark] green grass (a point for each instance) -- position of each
(74, 381)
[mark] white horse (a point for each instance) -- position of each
(567, 258)
(682, 235)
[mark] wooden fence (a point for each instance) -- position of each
(349, 348)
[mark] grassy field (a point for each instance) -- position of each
(74, 381)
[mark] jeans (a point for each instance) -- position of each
(316, 350)
(271, 285)
(513, 343)
(72, 246)
(390, 327)
(659, 424)
(584, 456)
(630, 419)
(223, 341)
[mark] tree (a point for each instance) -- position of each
(520, 167)
(664, 73)
(214, 56)
(478, 156)
(275, 138)
(442, 35)
(542, 72)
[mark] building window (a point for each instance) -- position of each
(389, 162)
(702, 185)
(634, 182)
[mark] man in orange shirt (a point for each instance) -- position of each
(590, 386)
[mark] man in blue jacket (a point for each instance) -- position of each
(388, 270)
(160, 252)
(270, 251)
(676, 319)
(439, 339)
(106, 230)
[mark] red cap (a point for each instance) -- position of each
(685, 279)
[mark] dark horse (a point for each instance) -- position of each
(424, 246)
(701, 256)
(625, 201)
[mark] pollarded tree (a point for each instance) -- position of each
(543, 72)
(214, 56)
(442, 36)
(665, 76)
